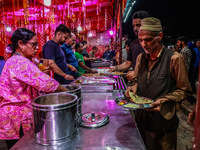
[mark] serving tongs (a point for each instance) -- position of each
(80, 73)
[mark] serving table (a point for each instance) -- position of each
(101, 63)
(120, 133)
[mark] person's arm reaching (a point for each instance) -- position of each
(86, 68)
(57, 70)
(72, 68)
(124, 66)
(133, 88)
(87, 59)
(60, 88)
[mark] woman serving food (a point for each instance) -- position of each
(20, 82)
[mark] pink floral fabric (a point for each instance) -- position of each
(20, 82)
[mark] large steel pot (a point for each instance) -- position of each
(55, 118)
(75, 89)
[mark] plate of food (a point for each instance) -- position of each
(140, 100)
(141, 103)
(121, 101)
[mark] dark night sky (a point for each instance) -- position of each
(178, 17)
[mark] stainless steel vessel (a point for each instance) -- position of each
(55, 118)
(75, 89)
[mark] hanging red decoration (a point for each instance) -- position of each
(106, 18)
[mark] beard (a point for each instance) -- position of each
(136, 33)
(62, 42)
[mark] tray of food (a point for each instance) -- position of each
(93, 75)
(79, 81)
(96, 81)
(141, 103)
(118, 73)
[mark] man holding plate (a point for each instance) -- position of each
(160, 74)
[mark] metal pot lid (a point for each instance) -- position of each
(94, 120)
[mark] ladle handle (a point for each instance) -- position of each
(93, 117)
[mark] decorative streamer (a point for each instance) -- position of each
(14, 17)
(79, 17)
(68, 16)
(26, 14)
(53, 15)
(98, 15)
(106, 18)
(18, 20)
(35, 11)
(84, 14)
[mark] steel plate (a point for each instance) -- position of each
(125, 103)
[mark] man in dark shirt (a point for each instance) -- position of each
(161, 75)
(135, 47)
(52, 50)
(69, 54)
(107, 54)
(86, 55)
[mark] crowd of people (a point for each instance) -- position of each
(159, 73)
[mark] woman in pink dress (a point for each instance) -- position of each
(20, 82)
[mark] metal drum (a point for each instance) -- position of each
(75, 89)
(55, 118)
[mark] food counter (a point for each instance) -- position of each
(101, 63)
(119, 133)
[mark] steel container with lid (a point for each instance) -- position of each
(75, 89)
(55, 118)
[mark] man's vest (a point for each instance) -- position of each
(159, 84)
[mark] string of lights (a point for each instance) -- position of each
(129, 6)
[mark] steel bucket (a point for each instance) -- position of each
(55, 118)
(75, 89)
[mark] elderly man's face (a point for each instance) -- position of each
(136, 25)
(71, 40)
(149, 40)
